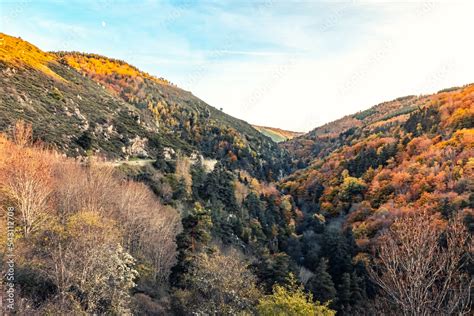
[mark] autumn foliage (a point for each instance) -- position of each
(82, 232)
(422, 161)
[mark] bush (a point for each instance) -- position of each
(291, 300)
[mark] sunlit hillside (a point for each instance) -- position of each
(277, 134)
(410, 154)
(454, 104)
(20, 53)
(108, 107)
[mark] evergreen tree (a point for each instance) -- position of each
(273, 268)
(198, 174)
(344, 293)
(193, 239)
(357, 290)
(321, 284)
(219, 186)
(180, 192)
(336, 248)
(85, 140)
(253, 204)
(161, 163)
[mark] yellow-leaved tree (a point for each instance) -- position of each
(291, 300)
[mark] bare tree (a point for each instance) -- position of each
(150, 228)
(183, 165)
(419, 266)
(27, 183)
(22, 134)
(87, 264)
(83, 226)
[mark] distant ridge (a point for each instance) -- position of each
(277, 134)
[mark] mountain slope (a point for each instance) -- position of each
(88, 103)
(410, 154)
(322, 140)
(277, 134)
(364, 170)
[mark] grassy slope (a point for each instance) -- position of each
(277, 134)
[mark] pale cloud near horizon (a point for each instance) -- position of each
(294, 65)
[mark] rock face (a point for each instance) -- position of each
(137, 148)
(209, 164)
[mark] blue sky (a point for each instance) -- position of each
(289, 64)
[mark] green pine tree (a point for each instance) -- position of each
(193, 239)
(357, 289)
(321, 284)
(344, 293)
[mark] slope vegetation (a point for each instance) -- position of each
(91, 105)
(243, 237)
(324, 139)
(412, 153)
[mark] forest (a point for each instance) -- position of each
(122, 194)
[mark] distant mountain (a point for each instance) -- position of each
(277, 134)
(86, 103)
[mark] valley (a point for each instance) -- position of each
(134, 196)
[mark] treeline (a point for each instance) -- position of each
(106, 65)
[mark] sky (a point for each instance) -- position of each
(289, 64)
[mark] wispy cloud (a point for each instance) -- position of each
(254, 53)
